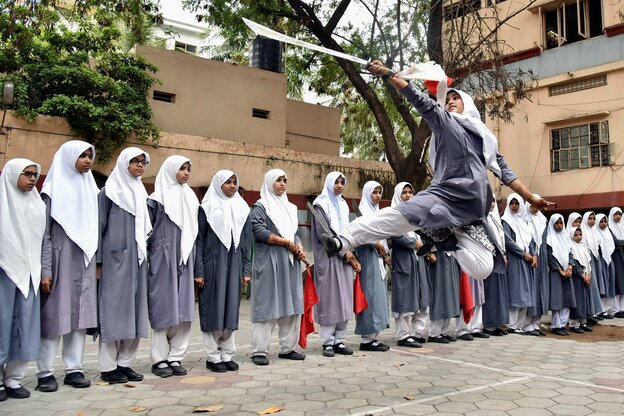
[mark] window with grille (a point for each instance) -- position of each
(580, 85)
(579, 147)
(460, 9)
(186, 47)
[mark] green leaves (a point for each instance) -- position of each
(67, 63)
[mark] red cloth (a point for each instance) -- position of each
(359, 298)
(432, 86)
(465, 297)
(310, 298)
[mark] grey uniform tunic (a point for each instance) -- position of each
(333, 279)
(72, 302)
(276, 286)
(223, 271)
(496, 291)
(541, 289)
(20, 334)
(171, 288)
(520, 276)
(618, 263)
(581, 293)
(410, 284)
(561, 289)
(122, 294)
(460, 191)
(595, 305)
(374, 318)
(444, 287)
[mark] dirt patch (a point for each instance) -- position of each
(601, 333)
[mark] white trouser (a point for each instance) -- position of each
(532, 322)
(474, 325)
(411, 325)
(608, 305)
(118, 353)
(618, 303)
(516, 318)
(560, 318)
(72, 352)
(169, 344)
(288, 327)
(367, 338)
(472, 256)
(439, 327)
(219, 345)
(333, 334)
(12, 373)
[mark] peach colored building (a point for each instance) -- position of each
(567, 142)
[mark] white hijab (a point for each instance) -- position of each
(537, 223)
(470, 119)
(617, 228)
(591, 238)
(559, 242)
(396, 200)
(180, 202)
(129, 194)
(580, 251)
(74, 197)
(368, 208)
(279, 209)
(494, 220)
(22, 226)
(334, 206)
(517, 222)
(607, 245)
(571, 218)
(226, 216)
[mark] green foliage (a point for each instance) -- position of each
(69, 63)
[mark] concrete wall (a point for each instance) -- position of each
(306, 171)
(216, 99)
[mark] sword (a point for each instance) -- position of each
(422, 71)
(321, 220)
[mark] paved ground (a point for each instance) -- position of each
(511, 375)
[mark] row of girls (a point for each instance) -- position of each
(573, 268)
(76, 260)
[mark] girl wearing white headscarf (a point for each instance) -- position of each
(22, 226)
(537, 224)
(591, 239)
(521, 257)
(124, 228)
(581, 278)
(410, 282)
(276, 286)
(173, 209)
(607, 249)
(374, 319)
(574, 222)
(560, 263)
(459, 196)
(496, 289)
(616, 226)
(333, 276)
(69, 298)
(223, 267)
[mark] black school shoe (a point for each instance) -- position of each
(587, 328)
(409, 342)
(342, 349)
(480, 334)
(3, 393)
(576, 330)
(77, 380)
(494, 333)
(466, 337)
(114, 377)
(292, 355)
(17, 393)
(374, 346)
(559, 331)
(47, 384)
(220, 366)
(177, 370)
(231, 365)
(260, 360)
(130, 373)
(438, 340)
(163, 372)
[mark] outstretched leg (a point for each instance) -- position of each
(473, 257)
(388, 222)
